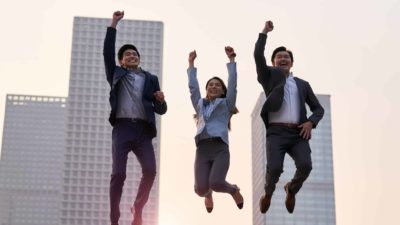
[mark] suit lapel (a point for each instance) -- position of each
(216, 103)
(300, 88)
(146, 81)
(119, 73)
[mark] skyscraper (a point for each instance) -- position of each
(85, 199)
(31, 160)
(315, 203)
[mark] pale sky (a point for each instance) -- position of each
(347, 49)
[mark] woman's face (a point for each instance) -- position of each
(214, 89)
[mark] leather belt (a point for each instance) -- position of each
(133, 120)
(210, 140)
(288, 125)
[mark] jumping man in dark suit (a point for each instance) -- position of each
(285, 117)
(135, 97)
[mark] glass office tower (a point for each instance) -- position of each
(31, 160)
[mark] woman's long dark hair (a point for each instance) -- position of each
(225, 90)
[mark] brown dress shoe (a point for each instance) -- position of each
(238, 198)
(265, 202)
(290, 200)
(208, 201)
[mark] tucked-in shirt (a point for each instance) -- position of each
(130, 93)
(290, 109)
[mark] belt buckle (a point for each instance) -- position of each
(292, 125)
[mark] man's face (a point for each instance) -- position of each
(282, 60)
(214, 89)
(130, 59)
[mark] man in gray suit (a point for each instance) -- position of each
(285, 117)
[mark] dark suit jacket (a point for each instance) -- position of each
(115, 73)
(273, 81)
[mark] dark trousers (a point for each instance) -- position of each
(131, 136)
(282, 140)
(211, 166)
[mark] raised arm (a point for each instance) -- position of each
(117, 16)
(193, 83)
(232, 79)
(109, 46)
(263, 72)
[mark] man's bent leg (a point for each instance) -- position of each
(116, 185)
(145, 155)
(120, 150)
(275, 157)
(301, 154)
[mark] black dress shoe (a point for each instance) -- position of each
(238, 198)
(290, 200)
(265, 202)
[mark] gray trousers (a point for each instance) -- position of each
(282, 140)
(211, 166)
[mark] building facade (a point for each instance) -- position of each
(315, 202)
(87, 167)
(31, 160)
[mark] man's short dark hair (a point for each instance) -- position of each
(124, 48)
(281, 49)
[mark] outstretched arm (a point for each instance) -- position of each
(117, 16)
(232, 79)
(268, 27)
(193, 83)
(109, 46)
(192, 57)
(263, 72)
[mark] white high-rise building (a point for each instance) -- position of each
(85, 199)
(315, 202)
(31, 160)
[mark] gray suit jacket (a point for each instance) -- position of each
(217, 124)
(273, 80)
